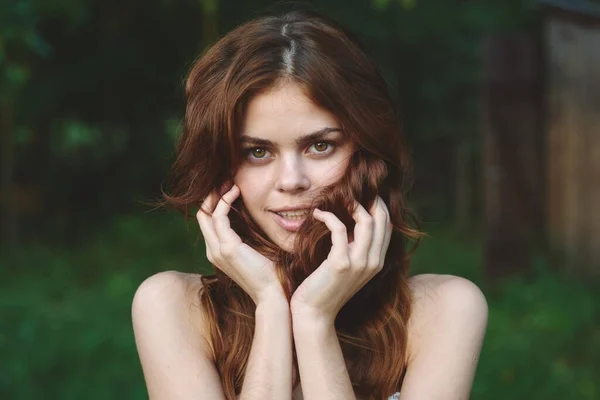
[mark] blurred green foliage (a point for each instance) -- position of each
(66, 327)
(91, 91)
(90, 85)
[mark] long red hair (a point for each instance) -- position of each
(338, 76)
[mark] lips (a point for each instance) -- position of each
(291, 221)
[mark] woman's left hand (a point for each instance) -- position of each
(348, 267)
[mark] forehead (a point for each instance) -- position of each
(282, 113)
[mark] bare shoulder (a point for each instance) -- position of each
(167, 285)
(170, 336)
(438, 298)
(445, 287)
(172, 291)
(445, 334)
(170, 297)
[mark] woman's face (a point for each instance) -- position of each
(290, 149)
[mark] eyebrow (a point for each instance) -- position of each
(304, 139)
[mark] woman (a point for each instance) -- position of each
(291, 147)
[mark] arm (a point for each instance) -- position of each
(175, 355)
(170, 342)
(317, 301)
(320, 360)
(269, 372)
(446, 333)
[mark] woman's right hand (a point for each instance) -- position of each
(252, 271)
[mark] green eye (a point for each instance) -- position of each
(258, 153)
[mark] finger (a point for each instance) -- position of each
(210, 202)
(224, 203)
(389, 227)
(380, 218)
(206, 224)
(386, 241)
(363, 234)
(221, 219)
(225, 187)
(339, 234)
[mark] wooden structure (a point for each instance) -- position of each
(512, 162)
(572, 130)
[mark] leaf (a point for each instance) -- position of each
(381, 5)
(408, 4)
(16, 75)
(209, 6)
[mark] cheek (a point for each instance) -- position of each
(330, 172)
(251, 186)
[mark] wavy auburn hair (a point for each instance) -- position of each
(334, 71)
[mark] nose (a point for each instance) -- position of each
(292, 175)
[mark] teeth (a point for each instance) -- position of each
(298, 214)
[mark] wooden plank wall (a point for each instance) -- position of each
(573, 141)
(512, 151)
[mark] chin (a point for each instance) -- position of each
(284, 241)
(288, 246)
(280, 237)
